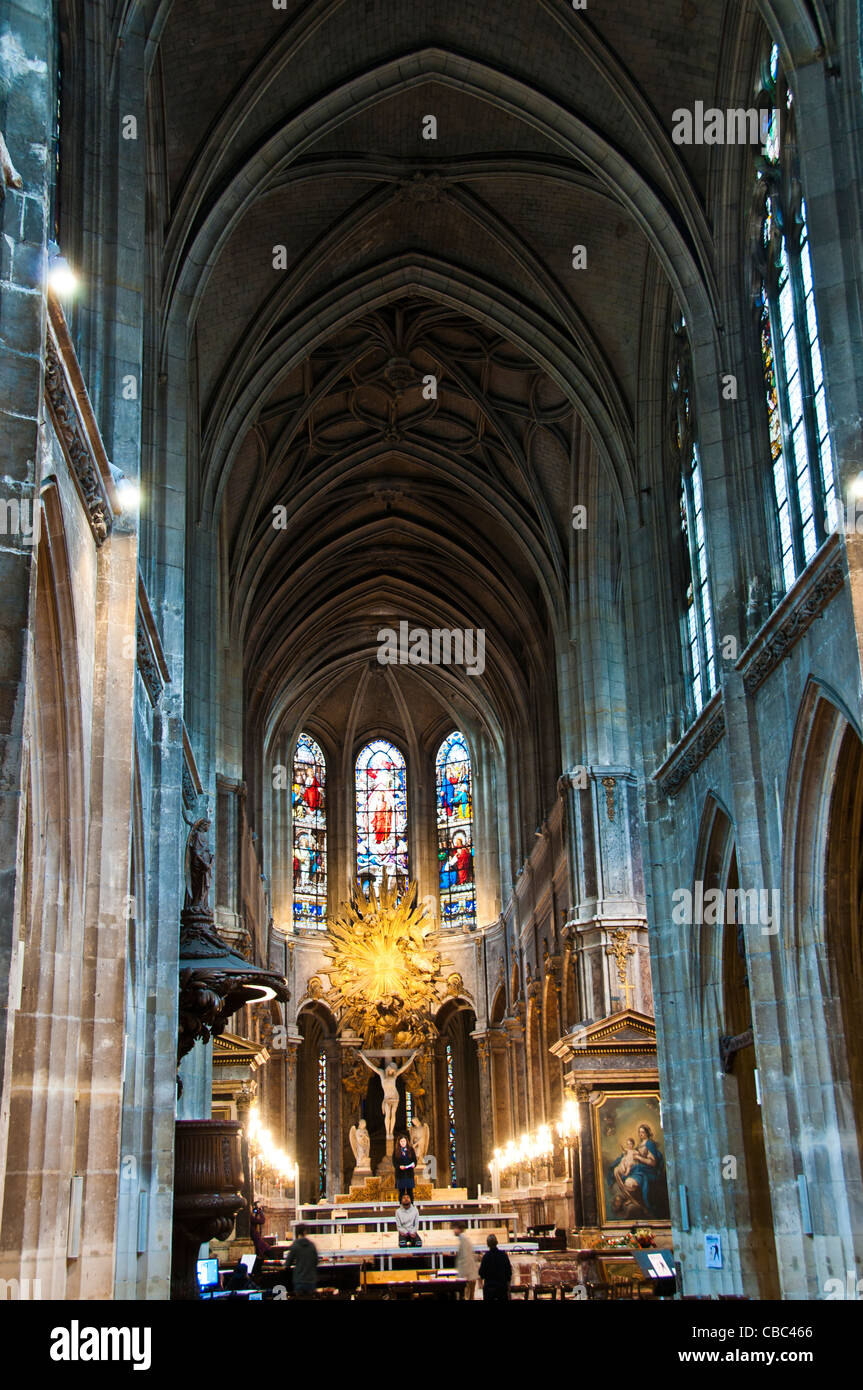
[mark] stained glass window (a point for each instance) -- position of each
(455, 832)
(800, 454)
(322, 1123)
(698, 612)
(308, 803)
(382, 818)
(450, 1110)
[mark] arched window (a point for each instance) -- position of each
(804, 494)
(308, 806)
(455, 832)
(699, 639)
(382, 817)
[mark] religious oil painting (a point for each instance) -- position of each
(631, 1156)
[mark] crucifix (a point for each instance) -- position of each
(388, 1074)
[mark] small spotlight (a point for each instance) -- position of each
(856, 488)
(61, 277)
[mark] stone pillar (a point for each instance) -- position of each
(486, 1107)
(608, 926)
(26, 117)
(585, 1176)
(244, 1100)
(501, 1094)
(289, 1082)
(517, 1068)
(335, 1175)
(226, 888)
(439, 1125)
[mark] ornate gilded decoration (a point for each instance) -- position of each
(384, 967)
(608, 784)
(621, 949)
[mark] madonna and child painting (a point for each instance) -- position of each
(631, 1151)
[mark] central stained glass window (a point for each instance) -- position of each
(382, 817)
(455, 832)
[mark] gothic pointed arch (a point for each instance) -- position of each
(823, 883)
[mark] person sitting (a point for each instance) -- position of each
(408, 1221)
(238, 1278)
(495, 1272)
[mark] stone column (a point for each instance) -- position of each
(486, 1107)
(335, 1176)
(286, 1057)
(27, 117)
(585, 1176)
(608, 925)
(439, 1124)
(514, 1028)
(226, 888)
(244, 1099)
(501, 1096)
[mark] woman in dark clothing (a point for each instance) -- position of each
(404, 1163)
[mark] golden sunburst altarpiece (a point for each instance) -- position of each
(384, 967)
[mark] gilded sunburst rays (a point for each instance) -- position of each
(383, 965)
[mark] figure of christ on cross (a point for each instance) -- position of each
(388, 1074)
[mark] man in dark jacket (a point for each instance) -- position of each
(302, 1258)
(495, 1272)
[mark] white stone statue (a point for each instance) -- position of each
(390, 1104)
(361, 1144)
(419, 1139)
(420, 1143)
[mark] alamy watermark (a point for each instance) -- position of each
(747, 907)
(420, 646)
(736, 126)
(77, 1343)
(19, 517)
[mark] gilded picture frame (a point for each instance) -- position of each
(629, 1150)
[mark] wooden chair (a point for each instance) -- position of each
(545, 1291)
(520, 1291)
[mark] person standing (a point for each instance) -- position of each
(408, 1221)
(404, 1163)
(465, 1260)
(302, 1258)
(256, 1226)
(495, 1272)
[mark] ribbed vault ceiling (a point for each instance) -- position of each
(407, 258)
